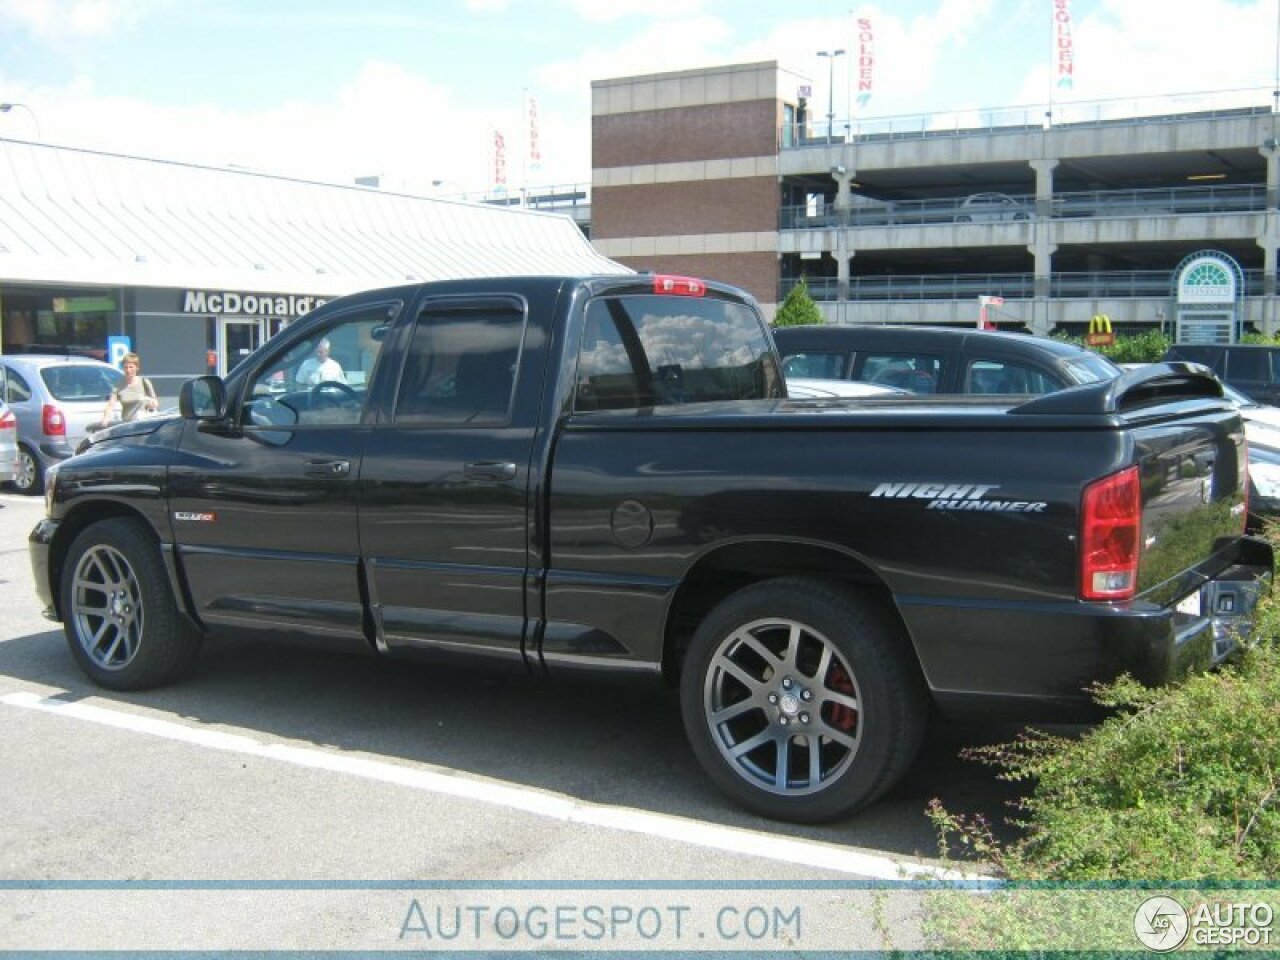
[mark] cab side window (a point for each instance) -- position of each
(813, 363)
(918, 373)
(461, 366)
(322, 379)
(998, 376)
(657, 351)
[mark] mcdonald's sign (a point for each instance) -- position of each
(1100, 333)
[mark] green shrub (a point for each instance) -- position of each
(798, 308)
(1146, 347)
(1180, 784)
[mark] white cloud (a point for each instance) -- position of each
(487, 6)
(1143, 48)
(70, 19)
(606, 11)
(386, 120)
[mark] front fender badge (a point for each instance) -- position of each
(190, 516)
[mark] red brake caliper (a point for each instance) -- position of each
(838, 715)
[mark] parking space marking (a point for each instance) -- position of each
(459, 784)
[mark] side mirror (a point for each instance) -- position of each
(204, 398)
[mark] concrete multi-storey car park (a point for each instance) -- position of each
(1100, 209)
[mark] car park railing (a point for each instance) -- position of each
(1210, 199)
(1031, 117)
(1118, 284)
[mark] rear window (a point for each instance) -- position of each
(654, 351)
(1249, 365)
(79, 381)
(1090, 369)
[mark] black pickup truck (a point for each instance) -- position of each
(605, 473)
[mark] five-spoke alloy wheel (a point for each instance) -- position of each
(801, 699)
(118, 612)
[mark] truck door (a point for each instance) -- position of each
(444, 519)
(264, 508)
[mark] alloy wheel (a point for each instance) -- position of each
(106, 607)
(783, 707)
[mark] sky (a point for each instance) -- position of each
(413, 92)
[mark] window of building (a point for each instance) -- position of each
(74, 321)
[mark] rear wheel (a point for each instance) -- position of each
(801, 700)
(28, 477)
(121, 622)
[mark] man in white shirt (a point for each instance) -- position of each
(320, 367)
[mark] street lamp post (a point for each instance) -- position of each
(7, 107)
(831, 87)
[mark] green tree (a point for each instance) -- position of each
(798, 308)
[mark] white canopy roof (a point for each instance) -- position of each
(76, 216)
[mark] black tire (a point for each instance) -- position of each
(964, 218)
(118, 613)
(1021, 216)
(29, 477)
(783, 658)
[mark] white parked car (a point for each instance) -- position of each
(990, 207)
(812, 388)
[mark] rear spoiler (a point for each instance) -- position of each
(1141, 386)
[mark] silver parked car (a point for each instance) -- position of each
(989, 207)
(57, 400)
(8, 444)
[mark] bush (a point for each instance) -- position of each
(798, 308)
(1180, 784)
(1146, 347)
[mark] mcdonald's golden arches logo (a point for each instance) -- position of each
(1100, 333)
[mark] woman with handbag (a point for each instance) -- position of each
(135, 394)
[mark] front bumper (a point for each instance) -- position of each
(39, 544)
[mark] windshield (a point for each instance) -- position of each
(80, 381)
(1090, 369)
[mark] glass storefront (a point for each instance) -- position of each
(71, 320)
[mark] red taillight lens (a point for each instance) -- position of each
(8, 421)
(679, 286)
(1110, 525)
(52, 421)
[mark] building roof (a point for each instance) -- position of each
(77, 216)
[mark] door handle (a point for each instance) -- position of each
(332, 469)
(490, 470)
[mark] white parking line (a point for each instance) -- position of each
(457, 783)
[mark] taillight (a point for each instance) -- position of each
(679, 286)
(52, 421)
(1110, 525)
(8, 421)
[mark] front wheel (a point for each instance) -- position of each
(119, 616)
(801, 700)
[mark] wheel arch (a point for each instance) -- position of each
(731, 567)
(82, 516)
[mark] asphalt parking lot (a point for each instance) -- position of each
(276, 763)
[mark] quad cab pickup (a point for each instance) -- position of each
(605, 474)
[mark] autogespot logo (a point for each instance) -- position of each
(1161, 924)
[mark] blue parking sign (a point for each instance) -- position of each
(117, 347)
